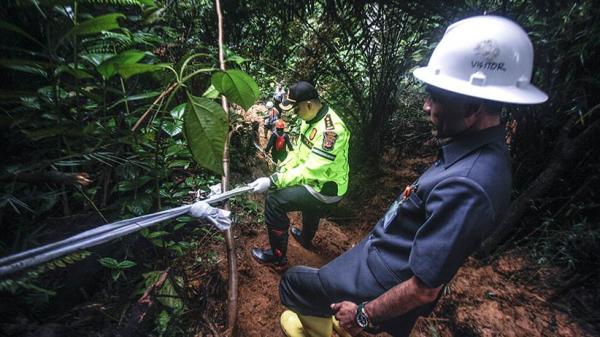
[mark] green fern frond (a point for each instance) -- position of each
(106, 44)
(148, 39)
(116, 37)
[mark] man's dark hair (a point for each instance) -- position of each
(494, 108)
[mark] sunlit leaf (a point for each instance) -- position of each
(96, 58)
(177, 112)
(211, 92)
(98, 24)
(236, 58)
(205, 127)
(237, 86)
(172, 128)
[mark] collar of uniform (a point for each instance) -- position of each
(469, 142)
(319, 115)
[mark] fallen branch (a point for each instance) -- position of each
(142, 313)
(158, 99)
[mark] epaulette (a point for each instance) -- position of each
(328, 122)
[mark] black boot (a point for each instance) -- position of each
(268, 257)
(297, 234)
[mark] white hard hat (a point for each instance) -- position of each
(488, 57)
(269, 105)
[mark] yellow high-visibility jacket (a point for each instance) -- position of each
(320, 156)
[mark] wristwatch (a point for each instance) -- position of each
(361, 318)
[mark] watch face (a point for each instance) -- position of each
(361, 319)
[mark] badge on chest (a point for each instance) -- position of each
(329, 138)
(391, 213)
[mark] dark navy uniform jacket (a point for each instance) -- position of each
(430, 232)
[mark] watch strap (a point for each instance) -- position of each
(371, 327)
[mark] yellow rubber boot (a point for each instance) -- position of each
(291, 325)
(338, 329)
(316, 326)
(294, 325)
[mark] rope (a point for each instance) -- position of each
(100, 235)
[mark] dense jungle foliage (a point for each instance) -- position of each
(96, 97)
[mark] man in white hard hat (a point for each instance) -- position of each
(394, 275)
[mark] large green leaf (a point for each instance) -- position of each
(98, 24)
(237, 86)
(128, 70)
(108, 68)
(205, 127)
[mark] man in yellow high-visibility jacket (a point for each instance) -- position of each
(312, 179)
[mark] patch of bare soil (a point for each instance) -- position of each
(486, 300)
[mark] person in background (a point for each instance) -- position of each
(271, 117)
(279, 143)
(279, 96)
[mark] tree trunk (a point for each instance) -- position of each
(232, 289)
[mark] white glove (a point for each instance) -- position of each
(218, 217)
(260, 185)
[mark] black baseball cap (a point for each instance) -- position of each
(299, 92)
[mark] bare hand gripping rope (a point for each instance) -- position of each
(108, 232)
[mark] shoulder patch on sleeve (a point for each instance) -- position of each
(329, 138)
(328, 122)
